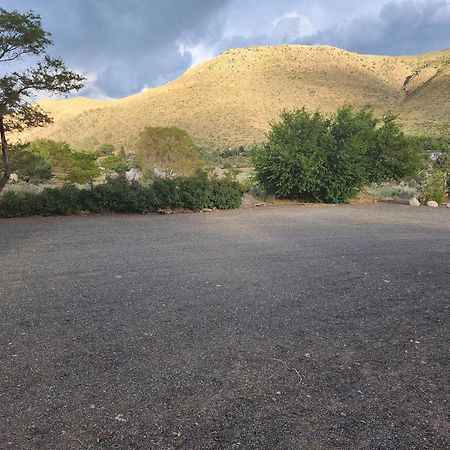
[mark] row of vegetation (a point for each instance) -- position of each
(117, 195)
(306, 157)
(169, 149)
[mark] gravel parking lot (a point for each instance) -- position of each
(268, 328)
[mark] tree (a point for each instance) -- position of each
(169, 149)
(392, 155)
(114, 163)
(21, 36)
(28, 164)
(77, 166)
(312, 157)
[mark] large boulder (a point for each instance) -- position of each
(414, 202)
(432, 204)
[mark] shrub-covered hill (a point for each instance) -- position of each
(230, 100)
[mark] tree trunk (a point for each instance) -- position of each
(5, 156)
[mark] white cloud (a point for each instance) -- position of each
(198, 53)
(291, 26)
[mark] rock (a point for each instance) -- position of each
(14, 178)
(259, 205)
(165, 212)
(432, 204)
(414, 202)
(207, 210)
(133, 175)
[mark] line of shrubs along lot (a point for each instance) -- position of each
(192, 193)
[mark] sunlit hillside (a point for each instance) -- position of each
(230, 100)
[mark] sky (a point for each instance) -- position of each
(126, 46)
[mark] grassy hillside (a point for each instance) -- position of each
(230, 100)
(427, 107)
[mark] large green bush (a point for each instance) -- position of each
(193, 193)
(312, 157)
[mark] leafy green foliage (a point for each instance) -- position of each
(169, 149)
(117, 196)
(59, 201)
(442, 162)
(78, 167)
(393, 155)
(435, 186)
(311, 157)
(22, 35)
(114, 163)
(28, 164)
(193, 193)
(13, 204)
(226, 194)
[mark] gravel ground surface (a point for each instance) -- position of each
(270, 328)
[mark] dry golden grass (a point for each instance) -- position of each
(230, 100)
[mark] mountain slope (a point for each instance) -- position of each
(428, 106)
(230, 100)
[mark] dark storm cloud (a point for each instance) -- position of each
(400, 28)
(124, 46)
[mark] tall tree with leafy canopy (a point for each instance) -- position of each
(22, 36)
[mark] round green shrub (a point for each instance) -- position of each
(315, 158)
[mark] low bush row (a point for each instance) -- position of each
(193, 193)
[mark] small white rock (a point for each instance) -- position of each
(432, 204)
(414, 202)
